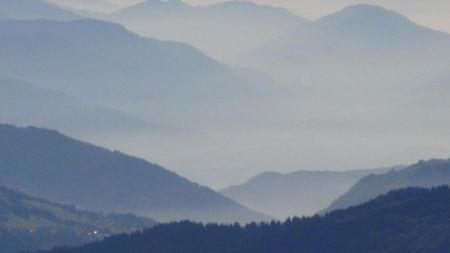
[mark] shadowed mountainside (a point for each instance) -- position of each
(423, 174)
(47, 164)
(28, 223)
(411, 221)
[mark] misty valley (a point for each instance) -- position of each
(224, 126)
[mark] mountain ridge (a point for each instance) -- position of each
(391, 223)
(107, 65)
(355, 29)
(423, 174)
(367, 17)
(64, 170)
(242, 24)
(32, 223)
(299, 193)
(24, 104)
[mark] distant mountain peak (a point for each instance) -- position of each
(367, 8)
(143, 9)
(244, 3)
(367, 14)
(162, 3)
(269, 174)
(372, 23)
(299, 192)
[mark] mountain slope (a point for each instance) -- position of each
(357, 45)
(90, 5)
(28, 223)
(410, 221)
(220, 30)
(35, 9)
(353, 71)
(23, 104)
(64, 170)
(423, 174)
(298, 193)
(104, 64)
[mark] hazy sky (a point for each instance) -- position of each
(432, 13)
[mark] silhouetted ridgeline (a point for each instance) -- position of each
(28, 223)
(407, 221)
(47, 164)
(105, 64)
(24, 104)
(299, 193)
(423, 174)
(358, 41)
(243, 24)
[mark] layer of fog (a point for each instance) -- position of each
(313, 135)
(336, 114)
(365, 101)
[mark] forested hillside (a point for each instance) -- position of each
(407, 221)
(423, 174)
(48, 164)
(29, 223)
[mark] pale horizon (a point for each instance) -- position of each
(431, 13)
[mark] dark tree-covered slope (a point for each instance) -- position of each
(47, 164)
(405, 221)
(423, 174)
(28, 223)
